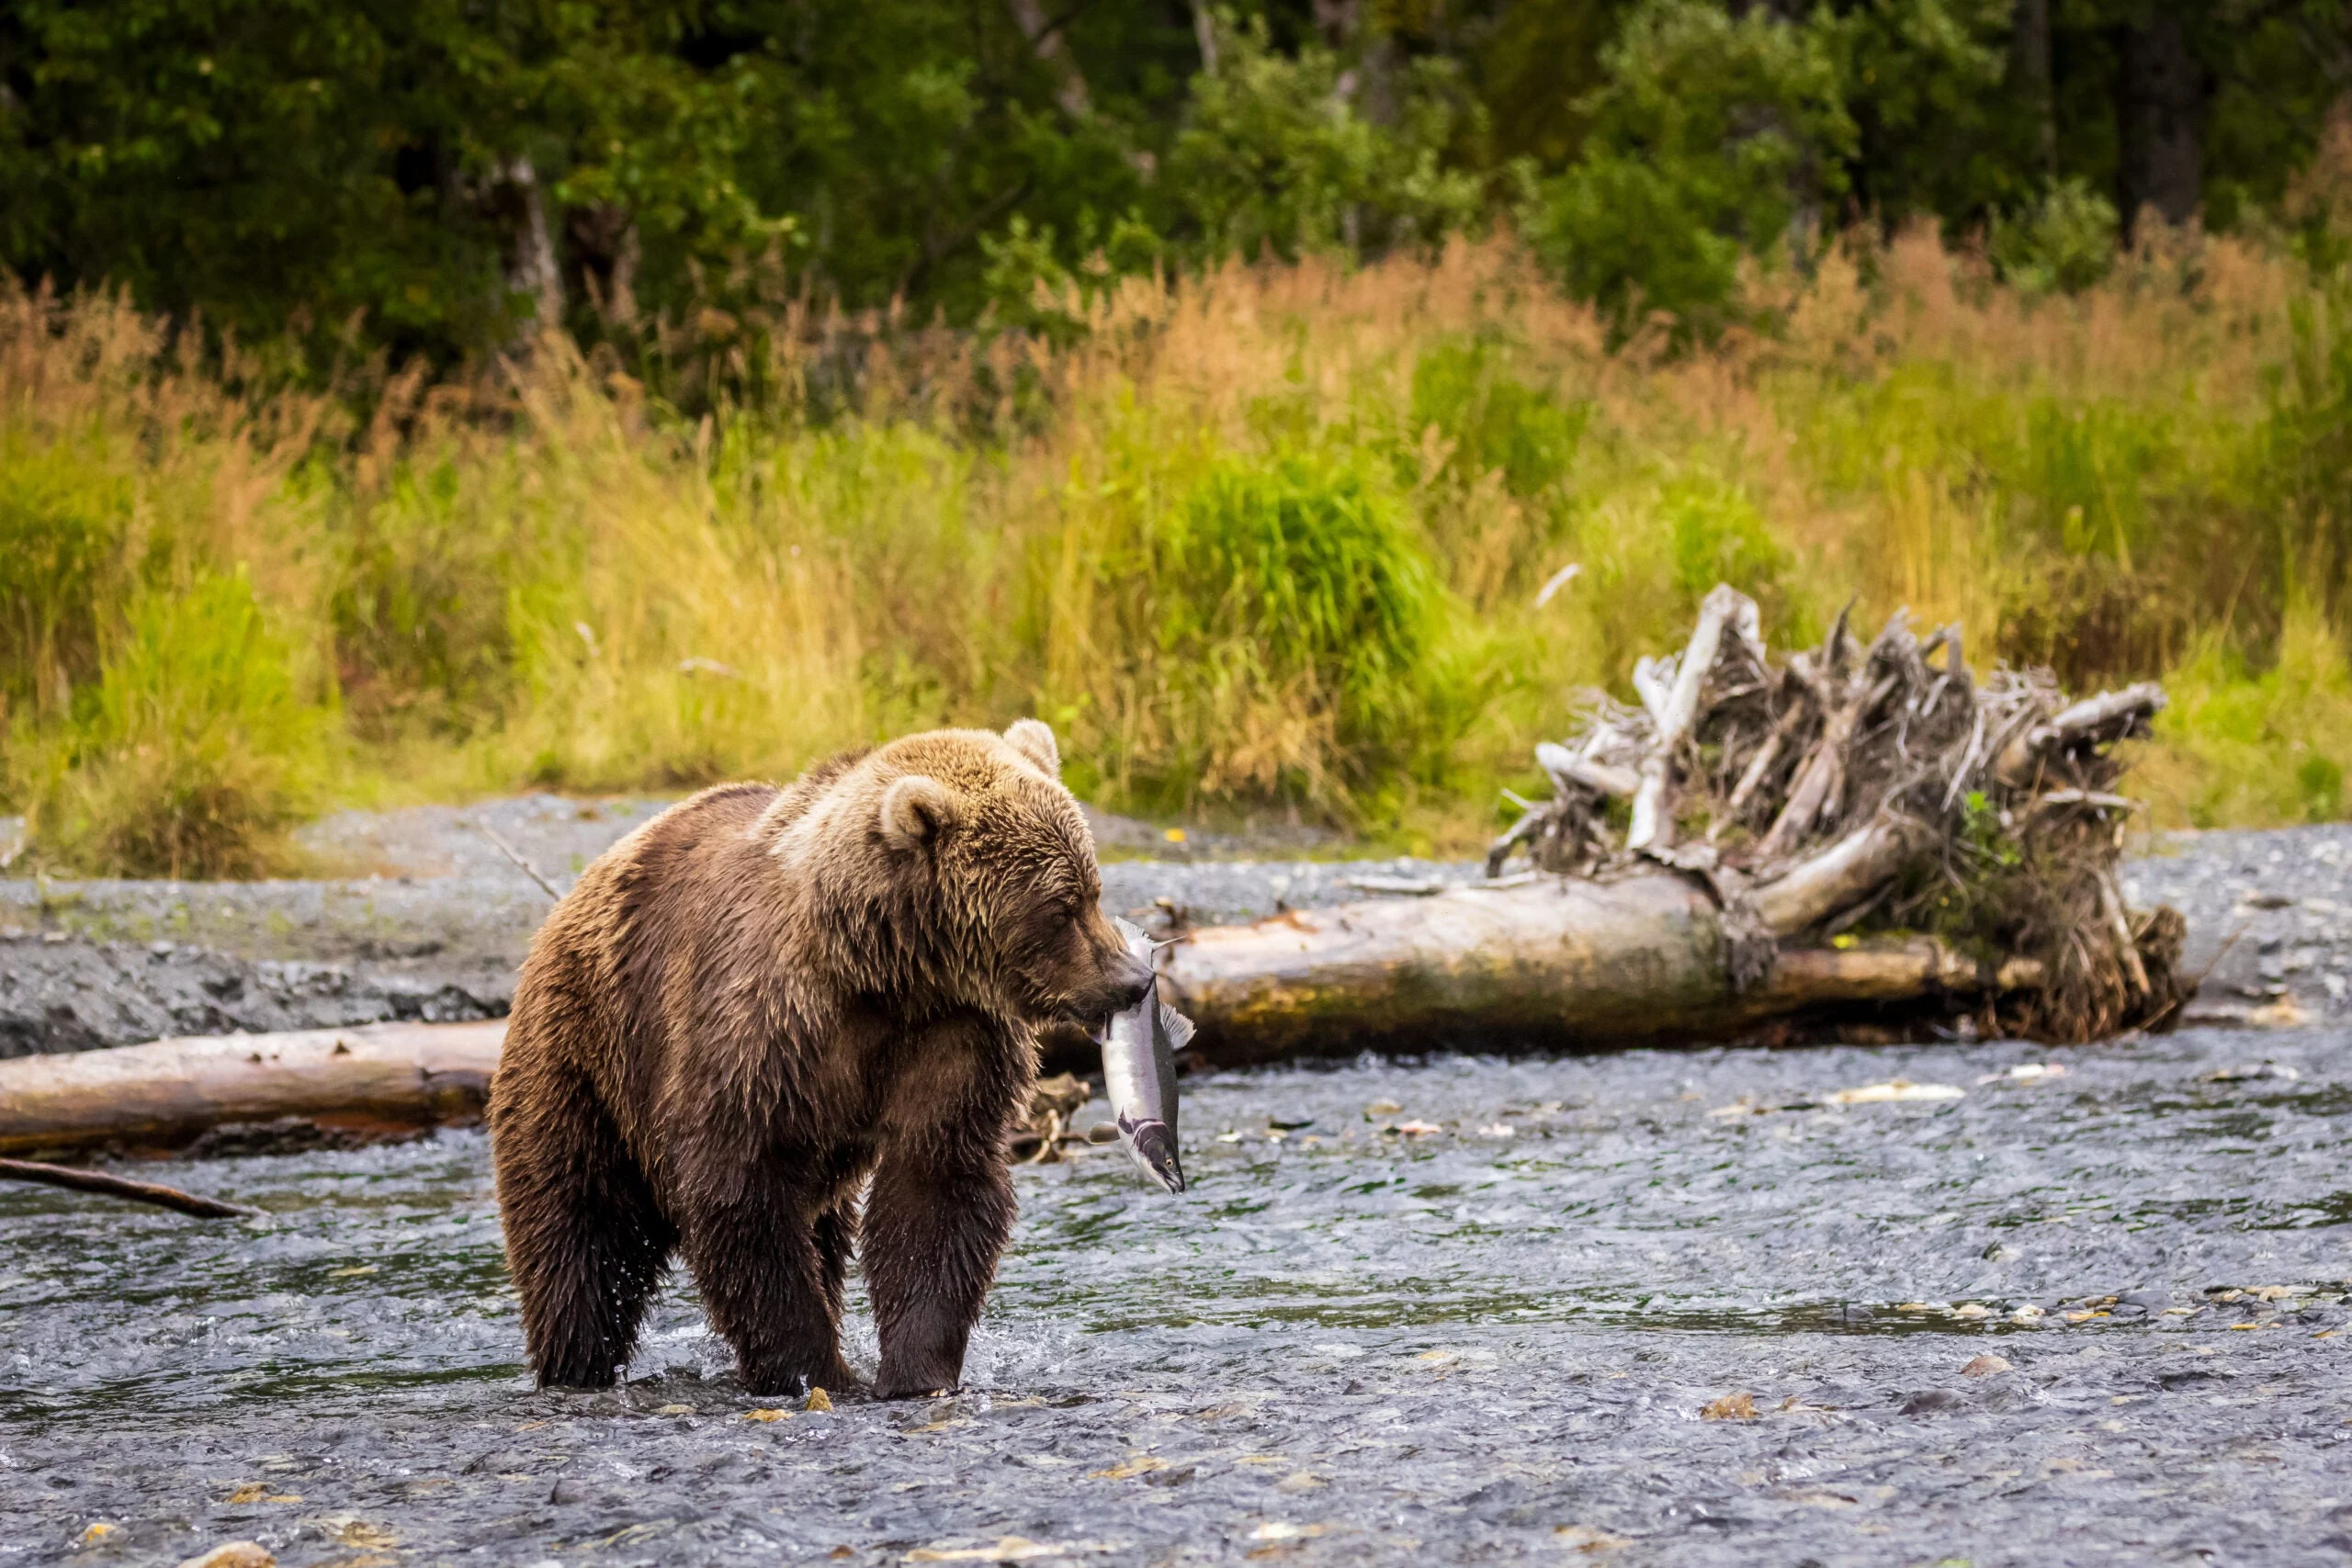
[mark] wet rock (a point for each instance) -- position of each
(1934, 1401)
(234, 1554)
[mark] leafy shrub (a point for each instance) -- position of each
(1274, 624)
(2063, 242)
(1719, 536)
(1273, 156)
(1713, 136)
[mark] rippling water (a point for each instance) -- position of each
(1492, 1342)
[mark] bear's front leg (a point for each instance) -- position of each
(759, 1264)
(935, 1222)
(940, 1207)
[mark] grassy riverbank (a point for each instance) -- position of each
(1269, 540)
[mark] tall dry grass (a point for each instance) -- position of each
(1270, 537)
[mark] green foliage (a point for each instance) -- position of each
(396, 173)
(1719, 536)
(2242, 744)
(190, 753)
(2307, 443)
(1272, 157)
(1494, 421)
(64, 520)
(1297, 575)
(1713, 137)
(2063, 243)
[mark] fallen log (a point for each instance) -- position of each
(1554, 963)
(381, 1079)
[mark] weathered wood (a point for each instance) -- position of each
(1673, 708)
(1544, 962)
(383, 1077)
(76, 1180)
(1560, 962)
(1837, 879)
(2107, 717)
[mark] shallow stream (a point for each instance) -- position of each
(1602, 1312)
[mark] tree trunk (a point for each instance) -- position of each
(2030, 68)
(531, 265)
(1559, 963)
(1047, 44)
(1204, 35)
(2164, 90)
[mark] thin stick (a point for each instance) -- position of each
(123, 1186)
(511, 853)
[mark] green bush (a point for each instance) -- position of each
(191, 753)
(2063, 242)
(1273, 156)
(1713, 137)
(1304, 566)
(1719, 536)
(1270, 623)
(1495, 422)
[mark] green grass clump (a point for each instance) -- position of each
(2241, 746)
(192, 751)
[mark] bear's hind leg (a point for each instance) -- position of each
(585, 1241)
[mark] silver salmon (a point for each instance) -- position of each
(1140, 1050)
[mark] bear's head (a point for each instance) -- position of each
(966, 871)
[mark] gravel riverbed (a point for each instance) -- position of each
(1461, 1311)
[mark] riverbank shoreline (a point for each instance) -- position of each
(436, 927)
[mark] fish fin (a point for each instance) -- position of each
(1176, 1026)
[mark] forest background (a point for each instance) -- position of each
(423, 399)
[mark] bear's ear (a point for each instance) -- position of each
(915, 811)
(1035, 740)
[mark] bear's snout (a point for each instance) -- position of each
(1121, 981)
(1136, 976)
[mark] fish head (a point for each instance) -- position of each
(1152, 1145)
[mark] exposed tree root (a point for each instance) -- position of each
(1854, 788)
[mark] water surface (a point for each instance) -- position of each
(1492, 1342)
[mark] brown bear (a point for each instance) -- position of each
(760, 999)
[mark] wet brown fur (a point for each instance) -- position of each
(762, 1000)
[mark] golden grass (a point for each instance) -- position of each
(547, 578)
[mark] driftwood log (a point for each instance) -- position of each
(1551, 962)
(384, 1079)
